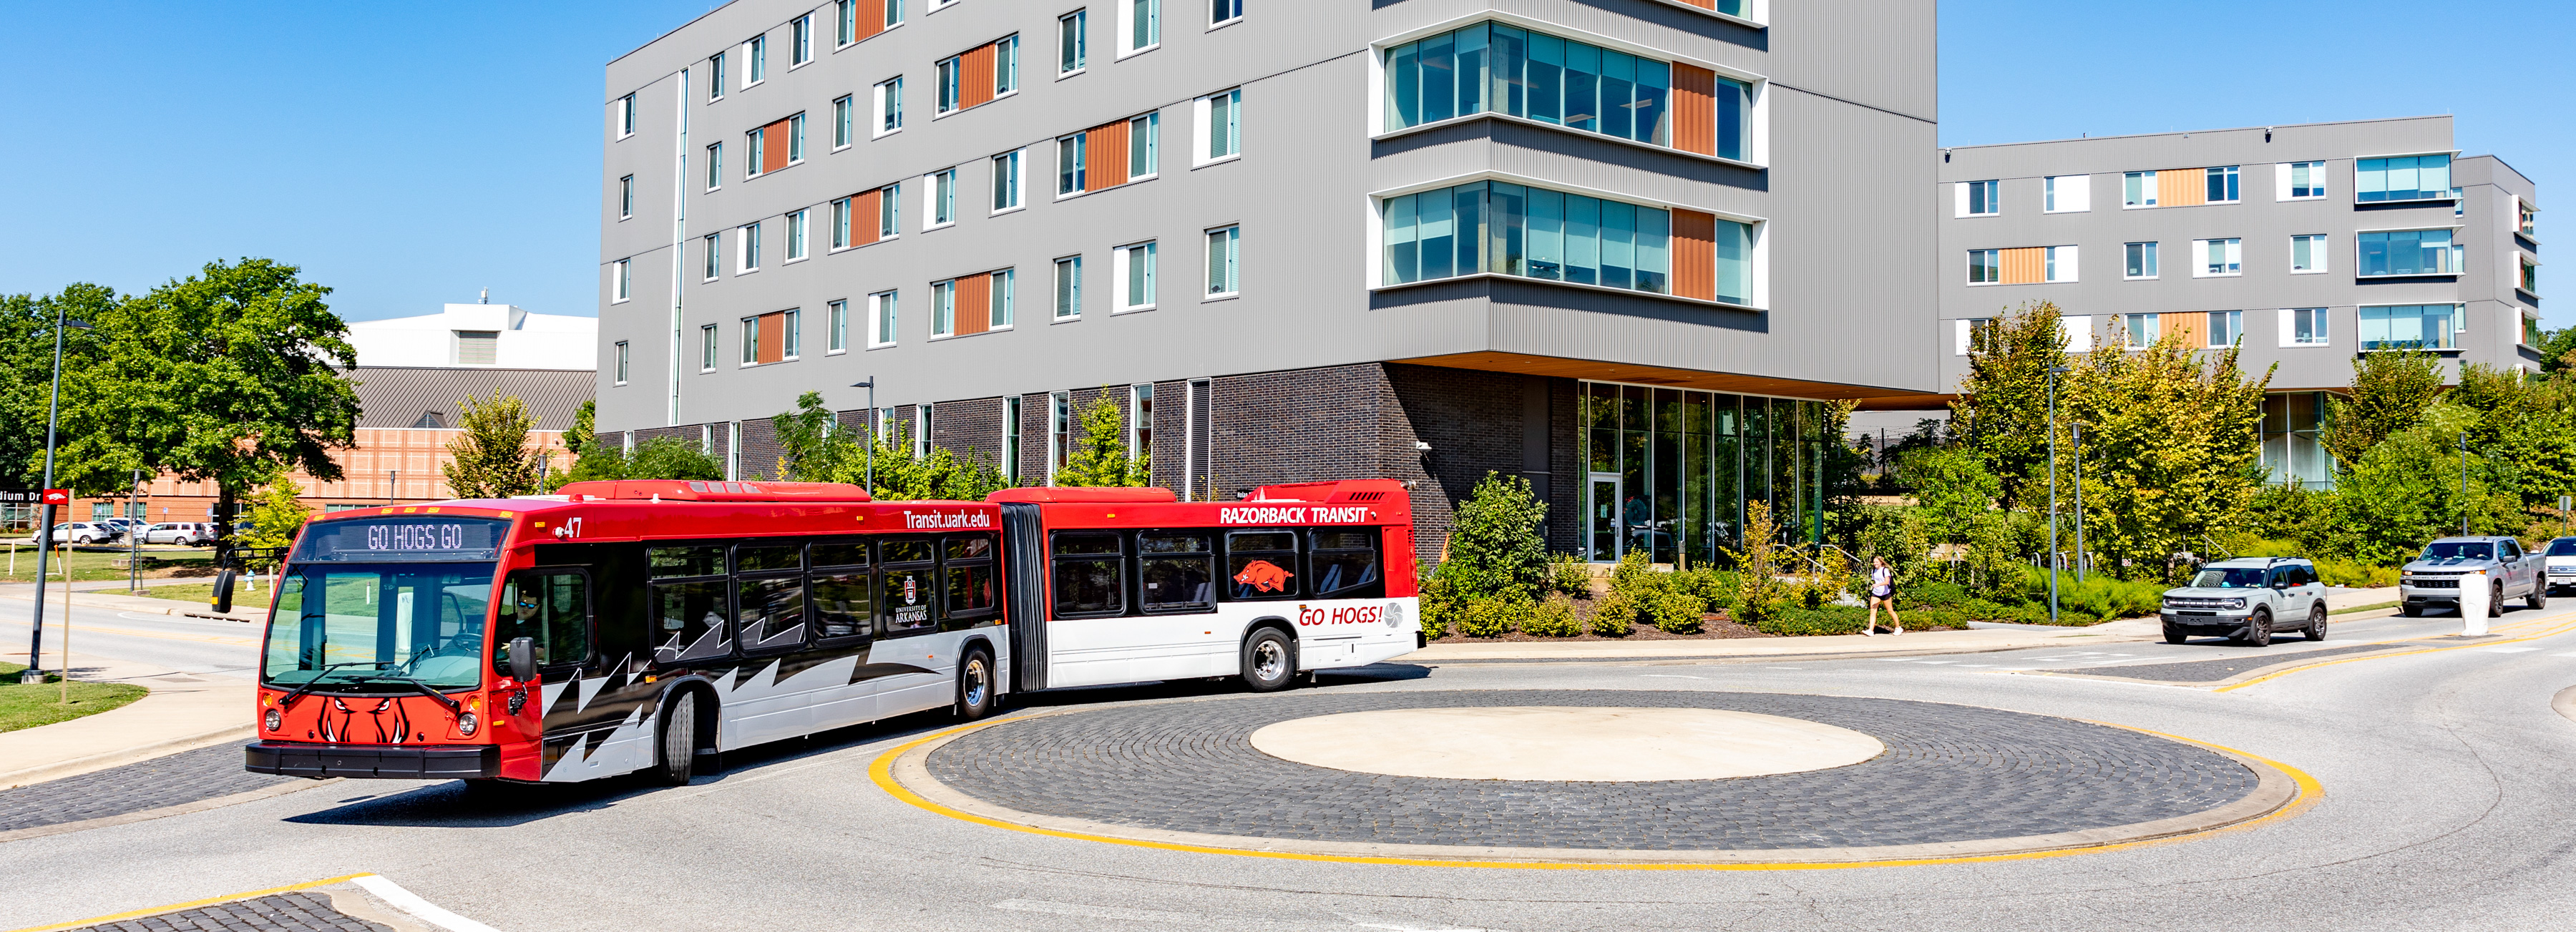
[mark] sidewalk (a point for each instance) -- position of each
(247, 606)
(183, 712)
(1974, 640)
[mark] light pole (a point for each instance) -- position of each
(869, 452)
(2077, 431)
(2053, 373)
(134, 538)
(45, 535)
(2464, 486)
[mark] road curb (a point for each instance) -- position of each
(119, 603)
(59, 828)
(118, 758)
(2564, 703)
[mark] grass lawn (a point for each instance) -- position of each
(33, 704)
(202, 593)
(91, 564)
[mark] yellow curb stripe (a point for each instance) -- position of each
(2310, 792)
(192, 904)
(2563, 628)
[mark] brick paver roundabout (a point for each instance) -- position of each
(1954, 780)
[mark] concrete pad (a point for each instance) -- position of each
(1565, 743)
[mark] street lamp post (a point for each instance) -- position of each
(45, 536)
(2464, 483)
(869, 452)
(2053, 372)
(2077, 435)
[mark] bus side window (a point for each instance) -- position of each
(839, 590)
(910, 584)
(966, 574)
(1179, 569)
(1343, 560)
(1261, 565)
(688, 617)
(1090, 577)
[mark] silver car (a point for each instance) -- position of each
(190, 533)
(2246, 600)
(2433, 580)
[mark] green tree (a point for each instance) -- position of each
(226, 376)
(276, 515)
(2524, 436)
(1099, 457)
(2555, 348)
(594, 459)
(492, 458)
(813, 448)
(1496, 548)
(2170, 452)
(2407, 490)
(27, 370)
(2390, 391)
(1954, 498)
(2002, 406)
(669, 458)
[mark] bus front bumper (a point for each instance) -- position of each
(364, 761)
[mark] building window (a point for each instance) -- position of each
(1220, 126)
(715, 166)
(2532, 336)
(1071, 155)
(2218, 257)
(755, 144)
(2403, 178)
(943, 308)
(1537, 233)
(1985, 266)
(2140, 260)
(2141, 330)
(749, 234)
(756, 56)
(921, 432)
(841, 224)
(801, 47)
(2138, 189)
(889, 106)
(623, 281)
(750, 340)
(707, 348)
(946, 89)
(2306, 180)
(1068, 288)
(842, 120)
(715, 250)
(1072, 39)
(1494, 68)
(2225, 328)
(889, 209)
(1011, 439)
(1003, 295)
(2067, 194)
(1006, 66)
(716, 77)
(1221, 12)
(2059, 264)
(836, 332)
(2307, 254)
(796, 235)
(1144, 25)
(893, 13)
(1224, 253)
(2529, 281)
(625, 358)
(626, 198)
(2411, 327)
(1140, 421)
(2526, 218)
(845, 23)
(1006, 181)
(2307, 326)
(881, 319)
(625, 116)
(1059, 432)
(1983, 198)
(1973, 334)
(1133, 275)
(2222, 185)
(2407, 252)
(1144, 146)
(796, 139)
(940, 208)
(792, 333)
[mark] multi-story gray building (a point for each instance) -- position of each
(1625, 248)
(2305, 244)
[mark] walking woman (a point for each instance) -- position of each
(1882, 591)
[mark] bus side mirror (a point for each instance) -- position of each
(222, 600)
(523, 659)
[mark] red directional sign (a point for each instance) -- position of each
(58, 496)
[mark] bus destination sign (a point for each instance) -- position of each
(404, 539)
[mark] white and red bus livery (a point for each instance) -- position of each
(643, 625)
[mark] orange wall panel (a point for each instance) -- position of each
(1694, 254)
(773, 147)
(2191, 326)
(975, 86)
(871, 18)
(1694, 109)
(773, 338)
(865, 208)
(1106, 153)
(974, 304)
(2027, 265)
(2182, 187)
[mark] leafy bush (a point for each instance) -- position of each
(1845, 619)
(2359, 575)
(1678, 612)
(1492, 616)
(1569, 574)
(1714, 587)
(1614, 615)
(1636, 578)
(1553, 618)
(1440, 604)
(1496, 545)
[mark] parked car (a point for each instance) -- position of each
(83, 532)
(2561, 569)
(2434, 578)
(2247, 599)
(190, 533)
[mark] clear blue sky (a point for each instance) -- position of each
(410, 154)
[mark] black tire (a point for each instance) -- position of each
(975, 696)
(2317, 623)
(676, 755)
(2175, 634)
(2495, 601)
(2411, 610)
(2538, 599)
(1269, 661)
(2258, 629)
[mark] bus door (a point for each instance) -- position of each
(1024, 566)
(551, 608)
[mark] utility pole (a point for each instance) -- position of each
(2464, 483)
(2078, 453)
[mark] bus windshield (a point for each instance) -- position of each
(374, 626)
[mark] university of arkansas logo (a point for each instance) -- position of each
(1263, 576)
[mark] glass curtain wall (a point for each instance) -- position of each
(1510, 229)
(1668, 470)
(2294, 452)
(1490, 67)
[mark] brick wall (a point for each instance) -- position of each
(760, 449)
(971, 429)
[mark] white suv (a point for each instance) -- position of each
(2246, 599)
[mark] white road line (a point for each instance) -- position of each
(421, 909)
(1366, 922)
(1784, 668)
(1936, 661)
(2505, 650)
(1098, 912)
(1670, 676)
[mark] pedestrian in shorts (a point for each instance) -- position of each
(1882, 591)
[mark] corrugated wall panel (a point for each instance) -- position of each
(1694, 109)
(2027, 265)
(773, 337)
(865, 208)
(1107, 154)
(2191, 326)
(975, 86)
(871, 16)
(974, 304)
(2182, 187)
(1695, 254)
(773, 147)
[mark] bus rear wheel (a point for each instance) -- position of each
(677, 760)
(975, 685)
(1269, 661)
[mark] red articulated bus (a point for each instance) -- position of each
(642, 625)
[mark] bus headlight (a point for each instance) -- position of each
(466, 723)
(272, 719)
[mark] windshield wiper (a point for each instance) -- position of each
(289, 701)
(425, 689)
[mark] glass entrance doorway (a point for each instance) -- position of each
(1669, 469)
(1601, 530)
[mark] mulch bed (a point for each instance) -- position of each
(1713, 626)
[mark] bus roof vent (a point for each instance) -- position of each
(1083, 494)
(1349, 490)
(675, 490)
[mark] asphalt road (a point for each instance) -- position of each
(2446, 796)
(171, 642)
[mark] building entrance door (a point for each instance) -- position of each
(1603, 532)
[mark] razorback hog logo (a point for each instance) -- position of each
(1263, 576)
(401, 724)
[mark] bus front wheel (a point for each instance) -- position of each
(975, 685)
(677, 758)
(1269, 661)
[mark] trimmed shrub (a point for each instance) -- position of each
(1553, 618)
(1715, 587)
(1636, 578)
(2357, 575)
(1495, 544)
(1492, 616)
(1614, 616)
(1570, 575)
(1845, 619)
(1440, 604)
(1679, 612)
